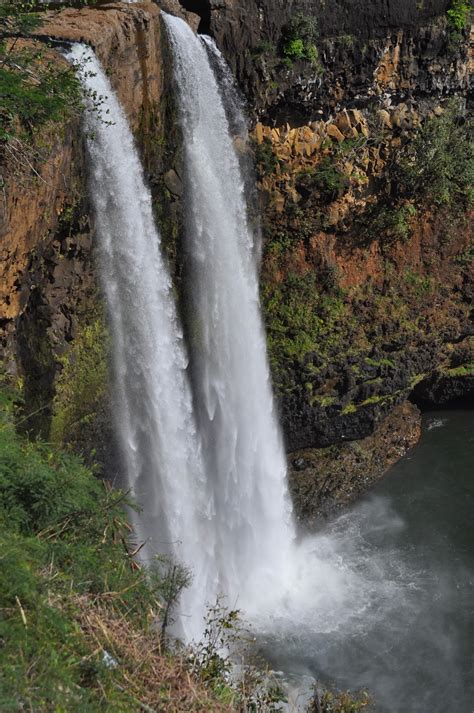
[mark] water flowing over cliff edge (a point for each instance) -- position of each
(362, 148)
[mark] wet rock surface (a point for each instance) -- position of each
(324, 481)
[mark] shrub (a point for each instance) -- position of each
(80, 403)
(38, 89)
(299, 40)
(458, 14)
(294, 48)
(265, 157)
(438, 163)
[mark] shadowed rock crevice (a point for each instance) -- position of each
(201, 8)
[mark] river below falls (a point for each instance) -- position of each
(384, 600)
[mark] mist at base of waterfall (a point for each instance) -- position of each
(381, 599)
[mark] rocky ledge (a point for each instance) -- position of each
(323, 481)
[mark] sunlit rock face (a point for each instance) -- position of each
(49, 283)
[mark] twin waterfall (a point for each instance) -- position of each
(201, 446)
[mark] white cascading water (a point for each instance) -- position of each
(152, 399)
(243, 450)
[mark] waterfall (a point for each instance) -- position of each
(239, 128)
(243, 452)
(161, 452)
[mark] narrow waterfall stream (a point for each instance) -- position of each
(152, 400)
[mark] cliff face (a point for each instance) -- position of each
(50, 289)
(363, 49)
(367, 274)
(367, 269)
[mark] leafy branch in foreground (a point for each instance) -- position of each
(34, 86)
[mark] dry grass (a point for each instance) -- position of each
(154, 680)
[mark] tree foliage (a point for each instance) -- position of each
(34, 86)
(299, 40)
(438, 163)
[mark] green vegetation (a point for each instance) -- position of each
(380, 362)
(37, 88)
(458, 14)
(326, 178)
(329, 702)
(265, 157)
(434, 166)
(265, 47)
(388, 221)
(302, 322)
(80, 408)
(68, 584)
(299, 41)
(420, 285)
(463, 370)
(438, 163)
(294, 49)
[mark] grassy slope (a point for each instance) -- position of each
(78, 620)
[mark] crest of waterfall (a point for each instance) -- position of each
(242, 445)
(152, 399)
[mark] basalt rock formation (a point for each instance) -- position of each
(366, 277)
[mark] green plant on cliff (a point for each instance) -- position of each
(80, 406)
(33, 87)
(387, 221)
(458, 14)
(265, 157)
(299, 40)
(438, 163)
(329, 702)
(37, 88)
(326, 177)
(302, 322)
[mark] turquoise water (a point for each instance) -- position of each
(411, 543)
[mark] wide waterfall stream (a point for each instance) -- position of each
(359, 603)
(242, 446)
